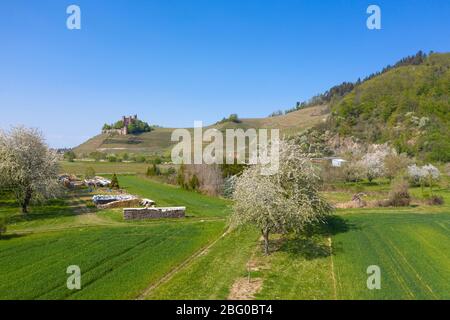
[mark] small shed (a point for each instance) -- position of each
(337, 162)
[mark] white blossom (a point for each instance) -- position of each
(286, 201)
(27, 165)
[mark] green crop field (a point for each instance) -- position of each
(116, 263)
(411, 249)
(192, 258)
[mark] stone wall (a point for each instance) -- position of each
(153, 213)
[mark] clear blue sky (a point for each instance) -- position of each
(176, 61)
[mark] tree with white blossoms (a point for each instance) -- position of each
(27, 166)
(432, 175)
(373, 162)
(288, 200)
(425, 175)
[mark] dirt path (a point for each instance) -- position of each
(178, 268)
(245, 289)
(333, 277)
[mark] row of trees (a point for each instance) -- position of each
(112, 157)
(337, 92)
(384, 162)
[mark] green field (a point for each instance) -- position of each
(79, 167)
(411, 249)
(191, 258)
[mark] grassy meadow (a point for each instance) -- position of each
(193, 258)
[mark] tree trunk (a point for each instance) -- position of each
(265, 234)
(26, 201)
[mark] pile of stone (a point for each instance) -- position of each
(115, 201)
(97, 182)
(70, 181)
(153, 213)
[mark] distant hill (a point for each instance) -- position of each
(408, 106)
(158, 140)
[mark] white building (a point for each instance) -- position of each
(337, 162)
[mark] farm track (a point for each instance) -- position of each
(179, 267)
(107, 223)
(333, 277)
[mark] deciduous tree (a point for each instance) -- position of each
(27, 166)
(286, 201)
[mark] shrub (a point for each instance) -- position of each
(153, 171)
(140, 159)
(96, 155)
(353, 171)
(194, 183)
(435, 200)
(171, 170)
(399, 195)
(2, 225)
(114, 182)
(394, 164)
(70, 156)
(180, 176)
(90, 173)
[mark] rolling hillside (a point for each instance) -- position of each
(158, 140)
(408, 106)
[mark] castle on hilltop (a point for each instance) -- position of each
(123, 128)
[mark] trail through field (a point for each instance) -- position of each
(333, 277)
(179, 267)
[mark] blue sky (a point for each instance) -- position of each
(176, 61)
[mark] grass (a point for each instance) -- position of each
(118, 259)
(197, 205)
(121, 260)
(116, 263)
(410, 248)
(212, 275)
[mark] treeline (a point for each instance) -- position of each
(98, 156)
(407, 107)
(337, 92)
(137, 126)
(231, 118)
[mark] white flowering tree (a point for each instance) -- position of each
(373, 161)
(425, 175)
(432, 175)
(27, 166)
(415, 174)
(286, 201)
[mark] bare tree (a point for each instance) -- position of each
(27, 166)
(286, 201)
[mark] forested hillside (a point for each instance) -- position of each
(408, 106)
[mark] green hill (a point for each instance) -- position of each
(408, 106)
(158, 140)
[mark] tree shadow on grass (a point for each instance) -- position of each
(51, 209)
(6, 237)
(313, 242)
(308, 248)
